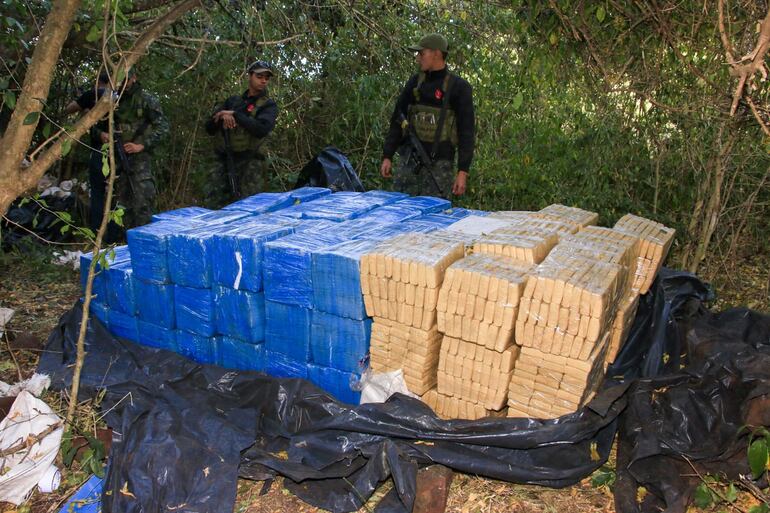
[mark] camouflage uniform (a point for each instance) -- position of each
(435, 180)
(255, 116)
(141, 121)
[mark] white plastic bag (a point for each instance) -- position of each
(377, 388)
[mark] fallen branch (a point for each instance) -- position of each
(30, 440)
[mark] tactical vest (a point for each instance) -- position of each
(132, 118)
(240, 139)
(425, 118)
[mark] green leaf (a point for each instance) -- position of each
(603, 477)
(9, 97)
(65, 228)
(88, 232)
(601, 13)
(731, 494)
(47, 130)
(31, 118)
(93, 33)
(105, 164)
(703, 498)
(66, 146)
(518, 100)
(117, 216)
(758, 457)
(760, 508)
(553, 38)
(4, 83)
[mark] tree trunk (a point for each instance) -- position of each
(13, 179)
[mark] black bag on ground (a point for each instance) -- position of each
(187, 431)
(330, 168)
(29, 219)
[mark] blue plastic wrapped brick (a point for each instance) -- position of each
(153, 335)
(392, 214)
(337, 383)
(237, 254)
(426, 204)
(339, 342)
(121, 294)
(155, 303)
(100, 311)
(387, 231)
(262, 203)
(149, 248)
(194, 310)
(282, 366)
(123, 325)
(233, 353)
(240, 314)
(438, 220)
(305, 194)
(337, 208)
(336, 273)
(180, 213)
(221, 217)
(112, 257)
(382, 198)
(287, 265)
(189, 261)
(287, 330)
(197, 348)
(460, 213)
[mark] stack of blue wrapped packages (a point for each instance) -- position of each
(269, 283)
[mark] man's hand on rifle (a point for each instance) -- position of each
(130, 148)
(458, 188)
(226, 117)
(385, 168)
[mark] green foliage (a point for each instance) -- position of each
(92, 453)
(758, 453)
(604, 476)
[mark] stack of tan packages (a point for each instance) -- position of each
(477, 309)
(655, 240)
(577, 217)
(400, 281)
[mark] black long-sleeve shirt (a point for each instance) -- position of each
(259, 125)
(460, 100)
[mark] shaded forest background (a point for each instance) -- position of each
(613, 106)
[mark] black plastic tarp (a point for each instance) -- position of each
(185, 432)
(330, 168)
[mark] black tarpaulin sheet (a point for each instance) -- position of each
(184, 432)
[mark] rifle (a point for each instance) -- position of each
(422, 159)
(230, 164)
(125, 163)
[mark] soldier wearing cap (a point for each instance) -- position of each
(240, 126)
(439, 107)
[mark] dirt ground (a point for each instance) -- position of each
(40, 293)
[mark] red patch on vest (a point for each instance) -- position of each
(438, 94)
(250, 107)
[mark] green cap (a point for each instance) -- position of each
(431, 42)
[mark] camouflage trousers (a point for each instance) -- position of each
(134, 191)
(435, 180)
(251, 174)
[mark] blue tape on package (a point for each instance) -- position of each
(155, 303)
(305, 194)
(339, 342)
(287, 330)
(149, 248)
(100, 311)
(287, 265)
(194, 310)
(197, 348)
(391, 214)
(336, 273)
(262, 202)
(282, 366)
(337, 383)
(382, 198)
(426, 204)
(180, 213)
(233, 353)
(240, 314)
(237, 255)
(123, 325)
(121, 293)
(152, 335)
(88, 498)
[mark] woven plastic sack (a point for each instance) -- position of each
(194, 310)
(287, 330)
(156, 303)
(153, 335)
(240, 314)
(339, 342)
(233, 353)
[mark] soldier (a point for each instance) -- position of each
(240, 126)
(139, 127)
(439, 107)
